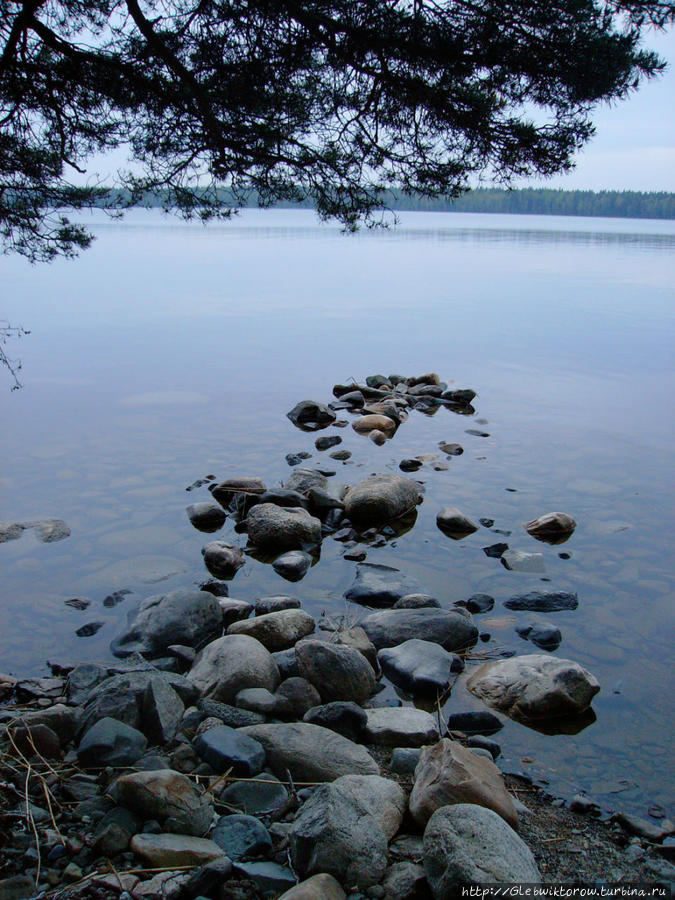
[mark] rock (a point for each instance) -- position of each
(318, 887)
(111, 743)
(519, 561)
(168, 797)
(207, 879)
(232, 663)
(260, 700)
(293, 565)
(475, 722)
(90, 629)
(225, 748)
(303, 480)
(325, 443)
(496, 551)
(287, 663)
(640, 827)
(310, 752)
(543, 634)
(463, 396)
(377, 585)
(404, 760)
(294, 459)
(449, 773)
(410, 465)
(429, 378)
(344, 827)
(183, 616)
(17, 887)
(265, 605)
(242, 837)
(368, 423)
(222, 559)
(406, 881)
(276, 631)
(337, 671)
(344, 717)
(229, 715)
(378, 437)
(234, 610)
(449, 628)
(114, 832)
(381, 498)
(543, 601)
(416, 601)
(61, 719)
(420, 667)
(492, 748)
(467, 844)
(357, 638)
(553, 528)
(36, 739)
(451, 449)
(535, 686)
(341, 455)
(299, 695)
(269, 877)
(310, 416)
(50, 530)
(174, 850)
(283, 497)
(454, 523)
(260, 796)
(480, 603)
(238, 494)
(162, 711)
(402, 726)
(277, 528)
(206, 516)
(215, 587)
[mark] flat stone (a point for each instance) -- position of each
(269, 877)
(402, 726)
(242, 837)
(417, 601)
(449, 628)
(377, 586)
(420, 667)
(174, 850)
(225, 748)
(474, 722)
(278, 630)
(543, 601)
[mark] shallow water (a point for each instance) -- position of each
(169, 351)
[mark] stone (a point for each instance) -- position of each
(534, 687)
(207, 879)
(480, 603)
(225, 748)
(406, 881)
(262, 795)
(294, 459)
(269, 877)
(260, 700)
(310, 416)
(379, 499)
(318, 887)
(344, 717)
(114, 831)
(36, 740)
(111, 743)
(174, 850)
(400, 726)
(374, 422)
(497, 551)
(287, 663)
(276, 528)
(183, 616)
(162, 711)
(462, 396)
(232, 663)
(337, 671)
(341, 455)
(543, 601)
(325, 443)
(378, 437)
(303, 480)
(416, 601)
(484, 744)
(357, 638)
(449, 628)
(206, 516)
(451, 449)
(467, 844)
(454, 523)
(410, 465)
(543, 634)
(61, 719)
(377, 585)
(474, 722)
(293, 566)
(553, 527)
(234, 610)
(238, 494)
(404, 760)
(223, 560)
(520, 561)
(242, 837)
(167, 796)
(420, 667)
(449, 773)
(299, 695)
(50, 530)
(215, 587)
(229, 715)
(311, 753)
(284, 497)
(276, 631)
(265, 605)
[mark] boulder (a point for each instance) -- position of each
(167, 796)
(357, 638)
(337, 671)
(474, 722)
(225, 748)
(318, 887)
(454, 523)
(343, 716)
(162, 711)
(420, 667)
(417, 601)
(309, 415)
(373, 422)
(449, 773)
(299, 695)
(400, 726)
(265, 605)
(168, 851)
(242, 837)
(534, 687)
(277, 528)
(310, 752)
(262, 701)
(378, 499)
(234, 610)
(238, 494)
(406, 881)
(303, 480)
(467, 845)
(111, 743)
(206, 516)
(260, 796)
(276, 631)
(452, 629)
(544, 634)
(223, 560)
(183, 616)
(553, 527)
(231, 663)
(377, 585)
(293, 566)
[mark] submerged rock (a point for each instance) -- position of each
(381, 498)
(520, 561)
(553, 527)
(454, 523)
(543, 634)
(223, 560)
(543, 601)
(377, 585)
(206, 516)
(309, 415)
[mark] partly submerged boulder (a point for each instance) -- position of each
(378, 499)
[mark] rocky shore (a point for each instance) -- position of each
(239, 749)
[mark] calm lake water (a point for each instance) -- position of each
(169, 352)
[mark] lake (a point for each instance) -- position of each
(170, 351)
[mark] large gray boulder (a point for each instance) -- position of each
(451, 628)
(420, 667)
(381, 498)
(535, 686)
(310, 752)
(167, 796)
(344, 829)
(183, 616)
(232, 663)
(277, 528)
(467, 844)
(277, 630)
(337, 671)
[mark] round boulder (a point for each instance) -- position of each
(378, 499)
(337, 671)
(278, 528)
(232, 663)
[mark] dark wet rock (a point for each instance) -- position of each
(337, 671)
(287, 663)
(410, 465)
(229, 715)
(276, 528)
(402, 726)
(299, 695)
(269, 877)
(344, 717)
(543, 634)
(234, 610)
(406, 881)
(380, 499)
(275, 603)
(114, 832)
(238, 494)
(283, 497)
(90, 629)
(543, 601)
(355, 555)
(455, 524)
(496, 551)
(242, 837)
(162, 711)
(222, 559)
(328, 441)
(341, 455)
(232, 663)
(420, 667)
(28, 689)
(534, 686)
(309, 415)
(215, 587)
(80, 603)
(377, 585)
(278, 630)
(520, 561)
(59, 718)
(427, 378)
(467, 844)
(482, 743)
(83, 679)
(318, 887)
(260, 796)
(449, 628)
(477, 433)
(111, 743)
(480, 603)
(310, 752)
(293, 566)
(303, 480)
(322, 502)
(206, 516)
(451, 449)
(225, 748)
(294, 459)
(425, 390)
(474, 722)
(183, 616)
(37, 739)
(553, 528)
(417, 601)
(641, 827)
(465, 395)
